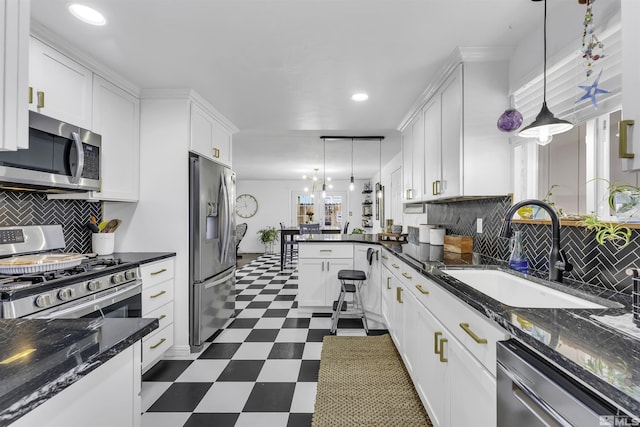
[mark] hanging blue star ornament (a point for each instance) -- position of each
(592, 91)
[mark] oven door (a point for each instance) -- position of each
(119, 302)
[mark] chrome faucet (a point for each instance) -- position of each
(558, 262)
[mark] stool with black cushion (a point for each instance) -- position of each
(290, 246)
(350, 283)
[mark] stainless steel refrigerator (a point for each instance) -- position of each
(212, 250)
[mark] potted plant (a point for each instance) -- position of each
(617, 234)
(267, 237)
(624, 200)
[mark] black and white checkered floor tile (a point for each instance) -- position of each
(261, 370)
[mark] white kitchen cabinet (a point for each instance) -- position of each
(108, 396)
(209, 137)
(370, 291)
(61, 88)
(116, 117)
(407, 163)
(458, 150)
(318, 266)
(445, 342)
(14, 69)
(158, 281)
(631, 81)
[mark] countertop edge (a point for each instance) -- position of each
(49, 388)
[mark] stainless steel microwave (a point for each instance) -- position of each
(61, 157)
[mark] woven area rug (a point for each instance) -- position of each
(363, 382)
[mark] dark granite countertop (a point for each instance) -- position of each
(140, 257)
(50, 355)
(600, 357)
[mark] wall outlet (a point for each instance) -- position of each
(479, 226)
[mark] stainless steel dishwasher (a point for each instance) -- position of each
(532, 392)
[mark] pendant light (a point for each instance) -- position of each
(324, 171)
(546, 124)
(352, 184)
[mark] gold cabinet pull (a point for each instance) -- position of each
(322, 269)
(157, 345)
(622, 139)
(433, 189)
(216, 153)
(388, 282)
(399, 295)
(153, 273)
(395, 266)
(406, 276)
(158, 294)
(465, 327)
(40, 96)
(422, 290)
(162, 316)
(409, 193)
(30, 95)
(436, 336)
(437, 187)
(385, 257)
(442, 343)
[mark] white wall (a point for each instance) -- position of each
(275, 206)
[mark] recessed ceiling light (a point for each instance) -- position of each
(359, 97)
(87, 14)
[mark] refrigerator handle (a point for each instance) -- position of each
(219, 281)
(227, 218)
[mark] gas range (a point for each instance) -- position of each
(40, 293)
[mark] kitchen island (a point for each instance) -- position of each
(599, 357)
(42, 359)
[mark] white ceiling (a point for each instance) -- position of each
(283, 71)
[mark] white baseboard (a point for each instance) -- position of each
(178, 352)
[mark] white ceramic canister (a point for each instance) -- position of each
(423, 232)
(436, 236)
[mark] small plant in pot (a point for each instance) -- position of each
(268, 236)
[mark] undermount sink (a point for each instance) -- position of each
(515, 291)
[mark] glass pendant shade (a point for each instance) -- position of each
(351, 184)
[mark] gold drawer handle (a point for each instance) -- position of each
(399, 295)
(436, 335)
(30, 95)
(388, 282)
(422, 290)
(158, 294)
(385, 257)
(395, 266)
(622, 139)
(152, 347)
(162, 316)
(442, 358)
(465, 327)
(158, 272)
(406, 276)
(216, 153)
(40, 97)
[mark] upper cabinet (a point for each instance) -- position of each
(116, 116)
(630, 85)
(455, 148)
(14, 67)
(209, 136)
(58, 86)
(66, 90)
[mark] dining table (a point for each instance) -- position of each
(291, 232)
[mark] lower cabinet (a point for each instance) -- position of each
(157, 302)
(318, 266)
(108, 396)
(447, 348)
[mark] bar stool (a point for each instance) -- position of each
(350, 283)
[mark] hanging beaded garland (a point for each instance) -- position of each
(592, 48)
